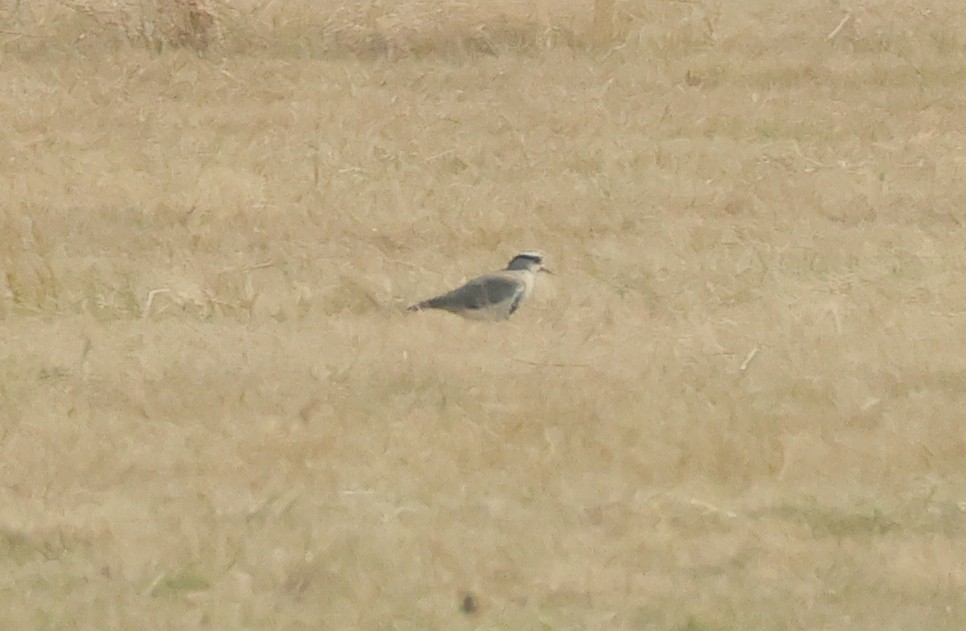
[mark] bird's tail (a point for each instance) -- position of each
(429, 303)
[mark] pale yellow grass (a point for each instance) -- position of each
(739, 404)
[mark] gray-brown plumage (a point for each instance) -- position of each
(494, 296)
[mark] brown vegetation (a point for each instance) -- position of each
(739, 403)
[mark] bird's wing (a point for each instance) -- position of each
(479, 293)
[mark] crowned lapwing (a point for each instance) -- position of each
(494, 296)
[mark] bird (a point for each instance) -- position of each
(494, 296)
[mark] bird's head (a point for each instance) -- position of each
(529, 261)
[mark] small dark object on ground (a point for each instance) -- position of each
(469, 605)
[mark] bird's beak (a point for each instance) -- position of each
(545, 269)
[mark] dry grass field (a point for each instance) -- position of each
(740, 402)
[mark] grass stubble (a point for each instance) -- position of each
(738, 404)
